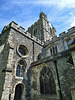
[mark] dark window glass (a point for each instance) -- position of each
(47, 84)
(42, 85)
(51, 51)
(40, 56)
(21, 62)
(68, 44)
(9, 96)
(22, 50)
(18, 93)
(56, 49)
(21, 71)
(20, 68)
(71, 41)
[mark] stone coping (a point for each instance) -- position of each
(53, 57)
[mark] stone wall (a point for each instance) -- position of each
(11, 55)
(66, 77)
(4, 52)
(35, 82)
(63, 71)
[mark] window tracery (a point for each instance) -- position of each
(22, 50)
(47, 84)
(20, 69)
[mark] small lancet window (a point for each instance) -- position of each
(56, 49)
(53, 50)
(69, 41)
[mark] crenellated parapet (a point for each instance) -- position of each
(13, 25)
(65, 34)
(21, 30)
(72, 29)
(62, 34)
(33, 25)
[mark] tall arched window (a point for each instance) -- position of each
(20, 69)
(47, 84)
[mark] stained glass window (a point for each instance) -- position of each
(47, 84)
(20, 69)
(22, 50)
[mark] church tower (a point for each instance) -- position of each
(48, 31)
(42, 29)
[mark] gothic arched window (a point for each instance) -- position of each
(47, 84)
(20, 69)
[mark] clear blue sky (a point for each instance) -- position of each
(60, 13)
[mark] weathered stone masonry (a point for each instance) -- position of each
(36, 64)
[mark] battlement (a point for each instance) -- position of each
(62, 34)
(72, 29)
(13, 25)
(34, 24)
(27, 34)
(42, 15)
(22, 31)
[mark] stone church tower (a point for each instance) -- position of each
(35, 65)
(42, 29)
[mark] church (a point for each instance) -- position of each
(36, 64)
